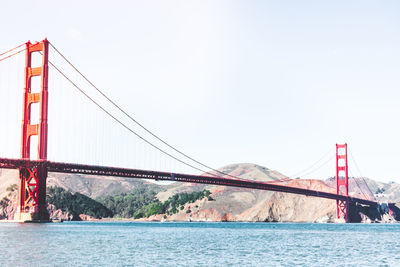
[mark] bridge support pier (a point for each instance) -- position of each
(32, 205)
(32, 185)
(343, 209)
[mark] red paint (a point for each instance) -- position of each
(32, 188)
(342, 182)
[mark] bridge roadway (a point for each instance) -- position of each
(59, 167)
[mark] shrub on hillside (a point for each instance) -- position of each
(76, 203)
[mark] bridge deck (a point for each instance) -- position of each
(59, 167)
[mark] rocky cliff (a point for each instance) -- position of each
(9, 203)
(239, 204)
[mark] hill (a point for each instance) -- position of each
(240, 204)
(91, 186)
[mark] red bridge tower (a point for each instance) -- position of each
(32, 186)
(342, 181)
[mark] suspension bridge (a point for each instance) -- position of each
(35, 135)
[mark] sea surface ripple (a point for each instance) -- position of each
(199, 244)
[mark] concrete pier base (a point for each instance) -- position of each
(33, 217)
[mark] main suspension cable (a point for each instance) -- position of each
(355, 179)
(121, 123)
(138, 123)
(355, 163)
(145, 128)
(8, 51)
(1, 59)
(319, 167)
(312, 165)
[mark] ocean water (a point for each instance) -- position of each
(199, 244)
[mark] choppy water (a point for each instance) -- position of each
(198, 244)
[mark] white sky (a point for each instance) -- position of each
(276, 83)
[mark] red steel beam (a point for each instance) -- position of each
(60, 167)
